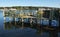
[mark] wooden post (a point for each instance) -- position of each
(58, 19)
(22, 20)
(10, 20)
(3, 13)
(31, 22)
(50, 18)
(4, 19)
(15, 21)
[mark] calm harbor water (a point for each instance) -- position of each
(12, 30)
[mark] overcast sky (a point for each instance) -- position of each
(44, 3)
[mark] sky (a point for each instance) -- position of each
(43, 3)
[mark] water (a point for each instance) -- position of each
(22, 30)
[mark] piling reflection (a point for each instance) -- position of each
(16, 24)
(53, 32)
(12, 25)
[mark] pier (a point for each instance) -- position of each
(42, 18)
(34, 15)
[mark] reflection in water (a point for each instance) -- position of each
(12, 25)
(40, 31)
(16, 25)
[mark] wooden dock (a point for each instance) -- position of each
(33, 14)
